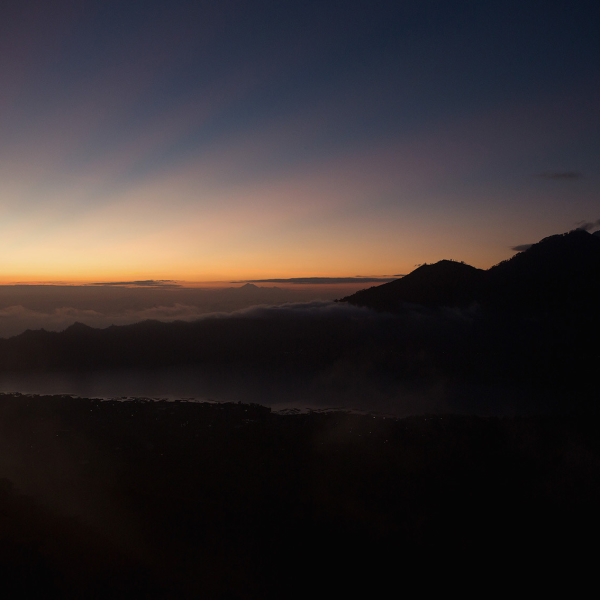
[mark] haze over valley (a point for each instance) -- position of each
(445, 338)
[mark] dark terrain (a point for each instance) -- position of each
(560, 274)
(160, 499)
(155, 499)
(528, 323)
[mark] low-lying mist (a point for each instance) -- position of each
(56, 307)
(312, 355)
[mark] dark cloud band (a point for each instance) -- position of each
(146, 283)
(321, 280)
(521, 247)
(561, 175)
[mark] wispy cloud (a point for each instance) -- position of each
(521, 247)
(561, 175)
(588, 225)
(16, 319)
(320, 280)
(145, 283)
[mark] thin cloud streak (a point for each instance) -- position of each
(521, 247)
(561, 175)
(587, 225)
(319, 280)
(169, 283)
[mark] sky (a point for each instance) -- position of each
(252, 140)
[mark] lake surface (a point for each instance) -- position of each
(280, 391)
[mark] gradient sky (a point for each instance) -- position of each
(256, 139)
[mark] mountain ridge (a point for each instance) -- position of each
(560, 272)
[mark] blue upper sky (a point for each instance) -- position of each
(251, 139)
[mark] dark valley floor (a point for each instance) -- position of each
(176, 499)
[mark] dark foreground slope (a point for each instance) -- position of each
(139, 499)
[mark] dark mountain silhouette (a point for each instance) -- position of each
(445, 283)
(254, 341)
(529, 326)
(559, 273)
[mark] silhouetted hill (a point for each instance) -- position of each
(267, 341)
(533, 331)
(445, 283)
(561, 272)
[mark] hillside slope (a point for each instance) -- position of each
(559, 273)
